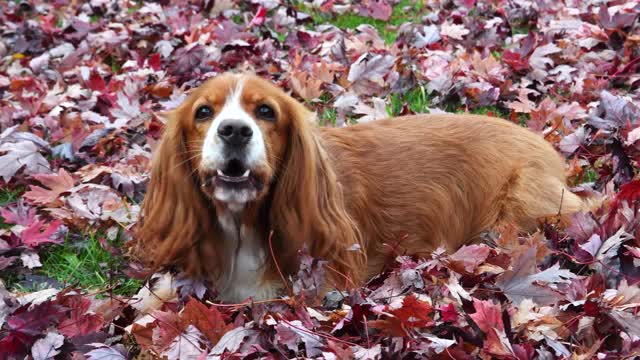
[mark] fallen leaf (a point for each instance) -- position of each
(23, 153)
(523, 280)
(56, 184)
(47, 347)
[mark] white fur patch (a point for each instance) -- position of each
(243, 273)
(148, 300)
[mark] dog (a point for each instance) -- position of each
(243, 179)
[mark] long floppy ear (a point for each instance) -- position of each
(177, 223)
(308, 204)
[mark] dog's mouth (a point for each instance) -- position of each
(234, 175)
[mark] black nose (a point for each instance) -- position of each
(234, 132)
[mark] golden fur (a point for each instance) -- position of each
(414, 183)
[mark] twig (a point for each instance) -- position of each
(275, 261)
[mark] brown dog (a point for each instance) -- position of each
(240, 159)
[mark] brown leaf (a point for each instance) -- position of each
(208, 320)
(56, 184)
(305, 85)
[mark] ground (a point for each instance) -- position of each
(82, 87)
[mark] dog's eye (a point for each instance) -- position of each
(265, 112)
(204, 112)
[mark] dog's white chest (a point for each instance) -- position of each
(244, 267)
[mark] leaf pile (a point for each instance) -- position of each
(82, 87)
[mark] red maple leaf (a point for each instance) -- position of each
(80, 322)
(208, 320)
(26, 324)
(414, 312)
(448, 313)
(96, 82)
(169, 327)
(34, 235)
(515, 60)
(488, 317)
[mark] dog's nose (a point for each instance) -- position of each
(235, 132)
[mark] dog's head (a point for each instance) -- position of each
(239, 144)
(236, 130)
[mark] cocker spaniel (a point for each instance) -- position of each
(240, 160)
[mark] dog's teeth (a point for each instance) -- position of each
(220, 172)
(246, 173)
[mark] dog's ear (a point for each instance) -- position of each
(308, 205)
(177, 224)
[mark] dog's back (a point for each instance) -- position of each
(443, 179)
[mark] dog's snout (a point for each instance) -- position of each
(235, 132)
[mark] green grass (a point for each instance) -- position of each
(88, 265)
(589, 175)
(351, 20)
(491, 110)
(417, 99)
(83, 263)
(112, 61)
(8, 196)
(328, 116)
(520, 30)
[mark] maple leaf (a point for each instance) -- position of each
(377, 9)
(56, 185)
(186, 345)
(305, 85)
(521, 282)
(539, 59)
(35, 235)
(582, 226)
(28, 322)
(80, 321)
(467, 258)
(294, 332)
(47, 347)
(208, 321)
(605, 254)
(371, 353)
(426, 35)
(103, 351)
(614, 112)
(630, 323)
(310, 277)
(438, 344)
(454, 31)
(6, 261)
(23, 153)
(98, 202)
(21, 214)
(488, 317)
(448, 313)
(169, 327)
(515, 60)
(570, 143)
(232, 340)
(30, 260)
(414, 312)
(618, 20)
(368, 71)
(95, 82)
(378, 111)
